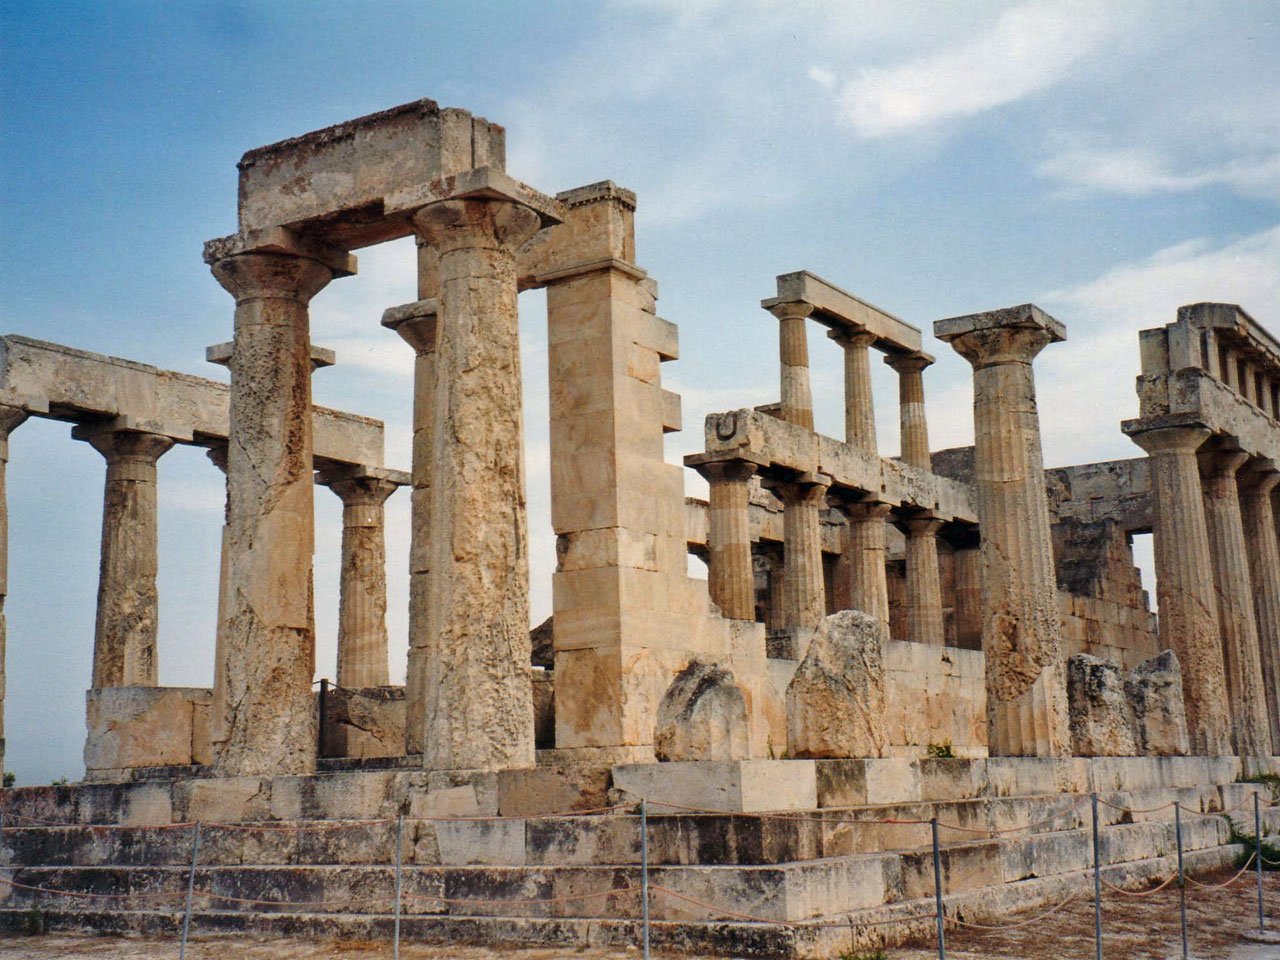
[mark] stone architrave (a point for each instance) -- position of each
(793, 350)
(1184, 581)
(362, 605)
(1154, 691)
(859, 402)
(1022, 628)
(1237, 619)
(836, 700)
(10, 419)
(702, 716)
(124, 640)
(417, 324)
(1101, 718)
(478, 700)
(924, 582)
(911, 409)
(865, 555)
(1259, 522)
(730, 579)
(267, 724)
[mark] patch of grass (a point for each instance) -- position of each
(10, 778)
(1269, 780)
(1270, 847)
(939, 751)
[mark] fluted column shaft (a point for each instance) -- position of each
(1184, 579)
(1022, 630)
(803, 590)
(10, 419)
(1258, 520)
(478, 701)
(968, 580)
(924, 583)
(793, 350)
(859, 402)
(124, 639)
(913, 419)
(418, 325)
(268, 725)
(1237, 619)
(730, 577)
(865, 556)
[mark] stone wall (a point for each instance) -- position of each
(934, 695)
(131, 727)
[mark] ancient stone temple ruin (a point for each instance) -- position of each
(881, 640)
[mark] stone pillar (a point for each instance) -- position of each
(1237, 619)
(915, 424)
(1258, 516)
(417, 325)
(1021, 622)
(124, 637)
(793, 350)
(803, 599)
(217, 455)
(1184, 581)
(924, 584)
(478, 700)
(866, 555)
(730, 577)
(968, 578)
(10, 419)
(859, 404)
(269, 721)
(362, 604)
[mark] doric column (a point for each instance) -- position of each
(924, 584)
(417, 325)
(793, 351)
(915, 424)
(124, 637)
(1022, 628)
(1258, 516)
(803, 596)
(1184, 581)
(865, 556)
(362, 598)
(859, 403)
(730, 578)
(268, 629)
(968, 578)
(1237, 620)
(479, 708)
(10, 419)
(217, 455)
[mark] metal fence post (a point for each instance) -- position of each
(1097, 884)
(937, 890)
(1257, 853)
(191, 885)
(644, 877)
(399, 881)
(1182, 885)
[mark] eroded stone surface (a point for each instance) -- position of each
(1154, 690)
(836, 700)
(1101, 718)
(702, 716)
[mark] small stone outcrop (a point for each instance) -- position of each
(1101, 719)
(835, 701)
(702, 716)
(1154, 691)
(542, 640)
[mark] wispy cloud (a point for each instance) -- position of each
(1140, 171)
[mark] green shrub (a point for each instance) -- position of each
(940, 751)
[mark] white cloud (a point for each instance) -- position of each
(1028, 48)
(1133, 171)
(823, 77)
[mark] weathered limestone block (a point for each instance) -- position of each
(368, 722)
(836, 700)
(1101, 719)
(1154, 690)
(139, 726)
(702, 716)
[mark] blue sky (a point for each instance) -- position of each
(1107, 161)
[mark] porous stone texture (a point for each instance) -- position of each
(140, 726)
(542, 639)
(1101, 718)
(836, 700)
(10, 419)
(702, 716)
(1022, 629)
(1259, 520)
(368, 722)
(1154, 691)
(266, 721)
(478, 707)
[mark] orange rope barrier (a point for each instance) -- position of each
(1140, 893)
(1219, 886)
(574, 898)
(1013, 926)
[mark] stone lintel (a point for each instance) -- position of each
(1023, 316)
(393, 317)
(914, 362)
(597, 193)
(125, 423)
(839, 309)
(591, 266)
(280, 240)
(337, 472)
(220, 355)
(484, 183)
(696, 461)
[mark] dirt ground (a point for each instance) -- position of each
(1133, 929)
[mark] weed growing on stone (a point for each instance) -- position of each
(941, 751)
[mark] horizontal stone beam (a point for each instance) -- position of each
(841, 310)
(1118, 490)
(1194, 396)
(63, 383)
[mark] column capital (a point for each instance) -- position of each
(848, 337)
(861, 510)
(123, 445)
(921, 526)
(461, 223)
(1259, 479)
(362, 485)
(905, 363)
(1009, 335)
(803, 488)
(722, 470)
(793, 310)
(10, 419)
(417, 323)
(271, 276)
(1173, 438)
(1221, 465)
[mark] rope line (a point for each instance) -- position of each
(1139, 893)
(575, 898)
(1013, 926)
(1219, 886)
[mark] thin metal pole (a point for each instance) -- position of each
(937, 890)
(191, 886)
(399, 878)
(1182, 885)
(324, 705)
(1257, 853)
(1097, 885)
(644, 877)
